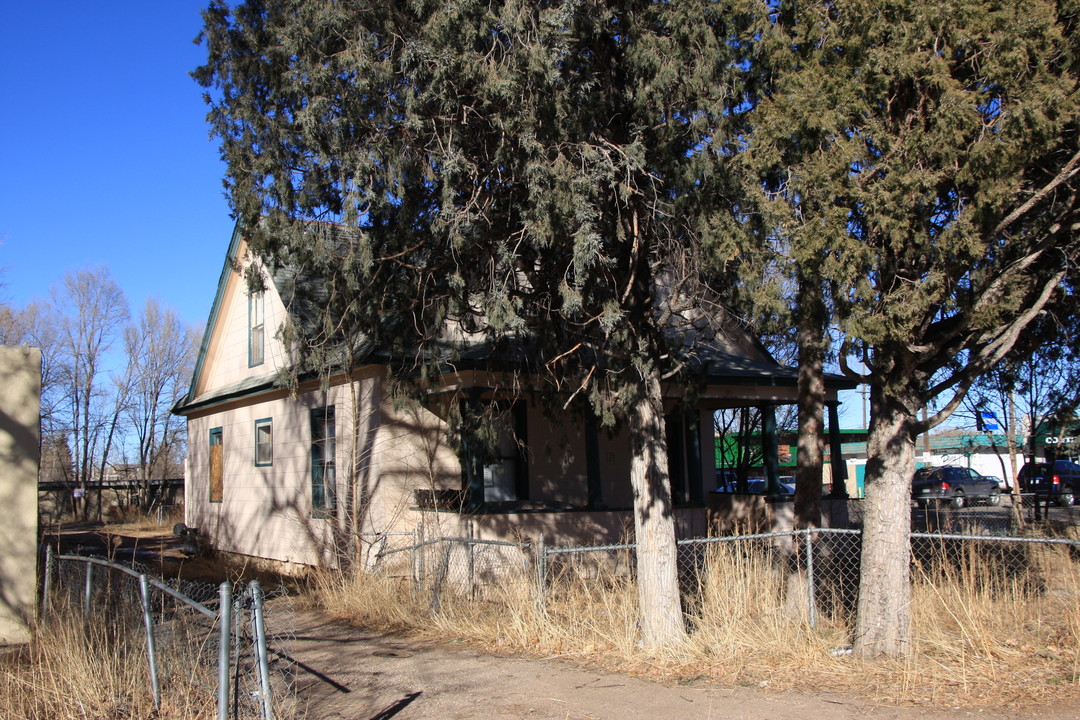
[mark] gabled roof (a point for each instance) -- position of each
(714, 348)
(303, 294)
(212, 322)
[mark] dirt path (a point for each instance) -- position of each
(345, 674)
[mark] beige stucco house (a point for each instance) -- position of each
(299, 476)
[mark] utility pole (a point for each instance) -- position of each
(864, 390)
(926, 439)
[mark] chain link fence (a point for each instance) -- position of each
(202, 645)
(977, 517)
(467, 566)
(810, 574)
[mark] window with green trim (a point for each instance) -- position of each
(264, 442)
(256, 328)
(323, 460)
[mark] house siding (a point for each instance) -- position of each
(267, 510)
(227, 360)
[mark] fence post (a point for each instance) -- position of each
(422, 554)
(418, 557)
(151, 653)
(225, 614)
(46, 590)
(260, 649)
(469, 560)
(440, 575)
(89, 590)
(810, 578)
(541, 573)
(412, 559)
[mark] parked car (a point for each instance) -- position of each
(756, 485)
(954, 485)
(1003, 485)
(1062, 482)
(726, 480)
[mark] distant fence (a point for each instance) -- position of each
(186, 627)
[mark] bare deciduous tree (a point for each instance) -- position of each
(160, 351)
(90, 310)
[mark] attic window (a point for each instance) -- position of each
(256, 334)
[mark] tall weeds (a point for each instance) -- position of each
(985, 631)
(97, 670)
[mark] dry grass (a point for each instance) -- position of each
(983, 634)
(98, 671)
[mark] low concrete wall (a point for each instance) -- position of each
(20, 459)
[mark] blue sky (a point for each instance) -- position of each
(107, 159)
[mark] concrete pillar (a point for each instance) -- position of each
(20, 459)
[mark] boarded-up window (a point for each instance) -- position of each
(216, 464)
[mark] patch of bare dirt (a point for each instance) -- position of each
(343, 673)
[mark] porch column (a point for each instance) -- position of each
(770, 451)
(473, 470)
(592, 460)
(836, 455)
(521, 464)
(694, 480)
(472, 464)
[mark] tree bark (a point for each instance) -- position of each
(884, 608)
(811, 440)
(654, 522)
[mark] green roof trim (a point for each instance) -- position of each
(215, 310)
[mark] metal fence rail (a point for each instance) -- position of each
(467, 565)
(197, 625)
(824, 562)
(814, 571)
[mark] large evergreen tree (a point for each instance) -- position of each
(541, 174)
(917, 160)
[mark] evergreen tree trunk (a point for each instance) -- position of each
(884, 608)
(811, 440)
(654, 522)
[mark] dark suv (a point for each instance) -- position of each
(954, 485)
(1061, 483)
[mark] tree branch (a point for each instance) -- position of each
(1068, 171)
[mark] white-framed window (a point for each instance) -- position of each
(256, 328)
(264, 442)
